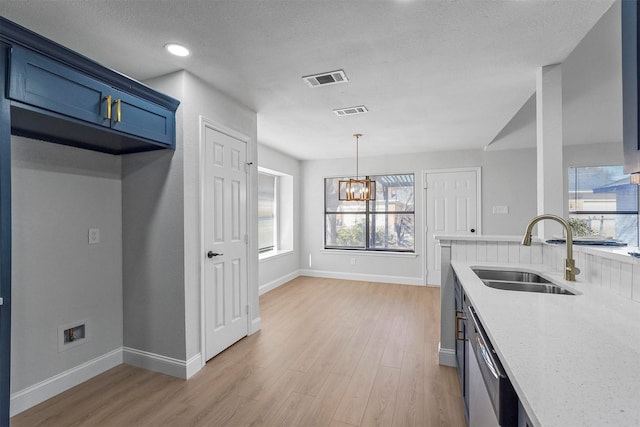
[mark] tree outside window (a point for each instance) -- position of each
(386, 224)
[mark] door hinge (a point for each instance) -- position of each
(246, 239)
(247, 308)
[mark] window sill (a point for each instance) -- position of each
(273, 254)
(386, 254)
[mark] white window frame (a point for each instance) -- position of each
(367, 212)
(601, 212)
(283, 244)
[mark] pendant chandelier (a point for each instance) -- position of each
(356, 189)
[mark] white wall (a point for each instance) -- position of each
(59, 193)
(275, 271)
(508, 178)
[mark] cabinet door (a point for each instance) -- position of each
(141, 118)
(461, 342)
(42, 82)
(630, 78)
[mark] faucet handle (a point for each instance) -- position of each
(570, 270)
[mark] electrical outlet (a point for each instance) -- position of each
(94, 236)
(353, 261)
(502, 210)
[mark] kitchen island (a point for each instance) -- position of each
(574, 360)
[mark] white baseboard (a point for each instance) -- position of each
(401, 280)
(447, 356)
(256, 325)
(163, 364)
(194, 365)
(37, 393)
(278, 282)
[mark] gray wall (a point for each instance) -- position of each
(201, 99)
(508, 178)
(153, 249)
(276, 268)
(161, 215)
(58, 278)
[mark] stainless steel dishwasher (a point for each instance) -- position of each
(492, 399)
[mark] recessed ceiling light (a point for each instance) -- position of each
(177, 49)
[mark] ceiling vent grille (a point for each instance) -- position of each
(324, 79)
(360, 109)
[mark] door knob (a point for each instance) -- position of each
(211, 254)
(473, 230)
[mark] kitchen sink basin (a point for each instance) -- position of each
(509, 276)
(545, 288)
(524, 281)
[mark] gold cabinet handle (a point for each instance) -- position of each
(118, 110)
(459, 332)
(108, 99)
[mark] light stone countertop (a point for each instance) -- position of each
(573, 360)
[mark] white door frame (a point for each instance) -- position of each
(208, 123)
(478, 171)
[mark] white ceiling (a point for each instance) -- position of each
(435, 75)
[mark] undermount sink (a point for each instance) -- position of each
(509, 275)
(545, 288)
(524, 281)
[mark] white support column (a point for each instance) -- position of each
(550, 170)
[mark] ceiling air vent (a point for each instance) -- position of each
(330, 78)
(360, 109)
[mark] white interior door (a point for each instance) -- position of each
(225, 231)
(452, 208)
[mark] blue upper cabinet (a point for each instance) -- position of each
(630, 98)
(135, 116)
(60, 96)
(48, 84)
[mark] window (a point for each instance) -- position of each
(275, 213)
(386, 224)
(603, 202)
(267, 224)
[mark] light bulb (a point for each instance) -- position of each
(176, 49)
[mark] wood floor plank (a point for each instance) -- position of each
(409, 408)
(322, 367)
(326, 402)
(292, 411)
(381, 403)
(355, 400)
(331, 353)
(394, 350)
(267, 406)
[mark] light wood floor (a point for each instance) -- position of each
(330, 353)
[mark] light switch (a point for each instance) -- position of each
(94, 236)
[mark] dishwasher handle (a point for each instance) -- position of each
(486, 357)
(483, 347)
